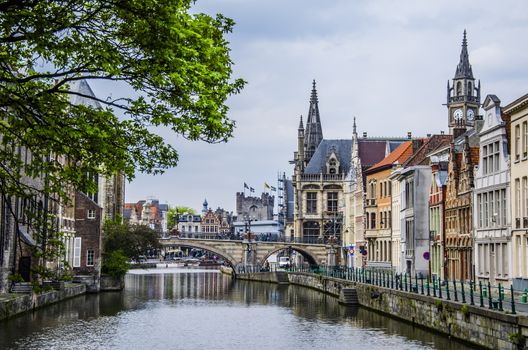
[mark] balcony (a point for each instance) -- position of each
(322, 177)
(463, 99)
(371, 202)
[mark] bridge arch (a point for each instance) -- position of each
(227, 257)
(312, 259)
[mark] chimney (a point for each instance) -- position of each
(428, 135)
(416, 144)
(441, 132)
(364, 134)
(409, 135)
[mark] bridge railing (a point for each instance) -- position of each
(480, 294)
(263, 238)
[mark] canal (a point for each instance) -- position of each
(199, 309)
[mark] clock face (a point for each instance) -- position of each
(470, 115)
(457, 114)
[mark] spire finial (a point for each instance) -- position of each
(313, 97)
(301, 126)
(354, 130)
(464, 68)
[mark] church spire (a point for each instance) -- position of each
(314, 131)
(463, 69)
(301, 126)
(354, 129)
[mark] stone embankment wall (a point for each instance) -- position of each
(483, 327)
(14, 304)
(273, 277)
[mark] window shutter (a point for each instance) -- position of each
(77, 252)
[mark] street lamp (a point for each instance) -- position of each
(247, 224)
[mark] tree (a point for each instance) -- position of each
(177, 64)
(177, 210)
(133, 241)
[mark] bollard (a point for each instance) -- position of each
(434, 286)
(455, 290)
(448, 296)
(471, 292)
(501, 291)
(489, 295)
(481, 294)
(439, 288)
(512, 300)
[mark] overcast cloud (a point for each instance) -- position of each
(385, 62)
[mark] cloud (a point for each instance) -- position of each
(385, 62)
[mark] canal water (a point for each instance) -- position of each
(203, 309)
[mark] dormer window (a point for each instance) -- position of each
(332, 166)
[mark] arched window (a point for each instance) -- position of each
(310, 231)
(470, 89)
(459, 88)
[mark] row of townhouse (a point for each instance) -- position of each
(209, 224)
(78, 218)
(452, 205)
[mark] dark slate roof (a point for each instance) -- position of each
(343, 149)
(372, 151)
(394, 144)
(164, 207)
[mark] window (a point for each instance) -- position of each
(479, 206)
(485, 160)
(496, 156)
(517, 203)
(525, 139)
(503, 206)
(525, 196)
(332, 201)
(90, 257)
(311, 202)
(373, 220)
(91, 214)
(459, 88)
(517, 142)
(77, 252)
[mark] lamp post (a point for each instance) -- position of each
(249, 251)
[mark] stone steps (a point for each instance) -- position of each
(282, 278)
(348, 296)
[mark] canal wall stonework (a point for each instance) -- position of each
(482, 327)
(486, 328)
(13, 304)
(272, 277)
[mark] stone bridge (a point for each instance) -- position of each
(240, 253)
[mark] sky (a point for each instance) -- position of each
(384, 62)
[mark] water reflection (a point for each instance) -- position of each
(193, 310)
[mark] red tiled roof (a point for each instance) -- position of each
(400, 155)
(430, 144)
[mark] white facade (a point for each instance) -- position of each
(491, 202)
(415, 185)
(395, 224)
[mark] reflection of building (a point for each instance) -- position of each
(517, 111)
(491, 198)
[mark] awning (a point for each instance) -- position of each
(26, 236)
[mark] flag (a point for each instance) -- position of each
(273, 189)
(246, 186)
(251, 189)
(266, 185)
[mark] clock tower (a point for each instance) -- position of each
(463, 95)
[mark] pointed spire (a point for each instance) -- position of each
(301, 126)
(313, 97)
(464, 68)
(314, 131)
(354, 129)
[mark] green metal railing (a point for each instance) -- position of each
(481, 294)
